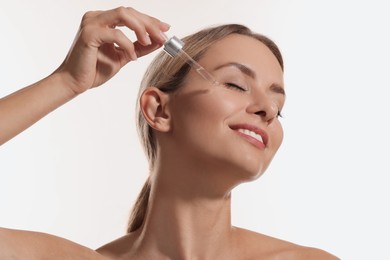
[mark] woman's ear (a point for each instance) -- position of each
(153, 104)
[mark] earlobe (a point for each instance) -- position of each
(153, 104)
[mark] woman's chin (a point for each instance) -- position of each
(247, 173)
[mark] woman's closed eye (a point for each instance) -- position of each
(235, 86)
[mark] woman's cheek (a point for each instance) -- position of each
(229, 102)
(277, 132)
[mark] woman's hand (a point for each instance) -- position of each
(100, 49)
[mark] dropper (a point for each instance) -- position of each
(174, 47)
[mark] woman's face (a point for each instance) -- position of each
(233, 125)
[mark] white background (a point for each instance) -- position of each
(76, 173)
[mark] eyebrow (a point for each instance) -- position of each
(249, 72)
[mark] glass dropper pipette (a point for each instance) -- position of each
(174, 47)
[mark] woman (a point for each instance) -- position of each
(201, 139)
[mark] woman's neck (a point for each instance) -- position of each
(185, 220)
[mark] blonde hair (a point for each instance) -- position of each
(168, 74)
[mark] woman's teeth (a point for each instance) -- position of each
(252, 134)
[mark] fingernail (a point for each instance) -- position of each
(147, 40)
(133, 56)
(166, 25)
(164, 37)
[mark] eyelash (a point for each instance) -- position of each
(280, 115)
(235, 86)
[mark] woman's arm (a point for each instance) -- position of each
(23, 108)
(99, 51)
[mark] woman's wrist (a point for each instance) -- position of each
(23, 108)
(66, 83)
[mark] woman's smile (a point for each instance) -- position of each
(254, 135)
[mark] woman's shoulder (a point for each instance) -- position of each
(19, 244)
(119, 248)
(259, 246)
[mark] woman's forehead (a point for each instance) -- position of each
(242, 49)
(245, 50)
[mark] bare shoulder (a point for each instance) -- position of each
(259, 246)
(302, 253)
(118, 249)
(311, 253)
(19, 244)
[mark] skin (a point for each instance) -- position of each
(98, 52)
(92, 60)
(201, 158)
(189, 212)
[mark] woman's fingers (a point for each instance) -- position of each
(142, 50)
(117, 37)
(132, 50)
(147, 29)
(101, 49)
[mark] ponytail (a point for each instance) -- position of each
(138, 213)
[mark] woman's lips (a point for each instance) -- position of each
(252, 134)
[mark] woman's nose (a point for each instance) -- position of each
(264, 107)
